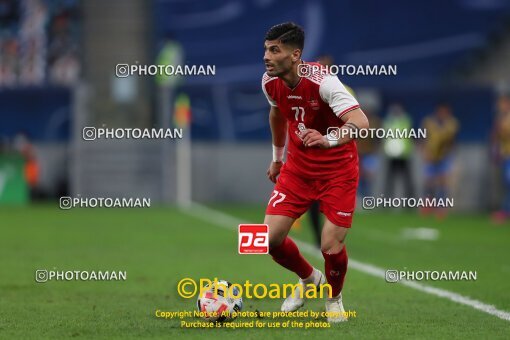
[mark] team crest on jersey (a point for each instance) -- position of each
(314, 104)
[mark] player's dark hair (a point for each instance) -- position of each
(287, 33)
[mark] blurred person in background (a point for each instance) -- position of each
(501, 139)
(65, 70)
(63, 49)
(23, 146)
(9, 16)
(398, 151)
(9, 54)
(442, 128)
(171, 52)
(39, 42)
(33, 40)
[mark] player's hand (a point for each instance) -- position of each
(274, 171)
(313, 138)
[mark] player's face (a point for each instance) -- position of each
(278, 58)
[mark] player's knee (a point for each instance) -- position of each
(279, 227)
(275, 241)
(331, 246)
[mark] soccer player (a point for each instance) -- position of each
(304, 105)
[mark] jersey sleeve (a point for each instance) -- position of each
(333, 92)
(270, 100)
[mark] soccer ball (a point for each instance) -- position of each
(216, 305)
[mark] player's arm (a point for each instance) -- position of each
(278, 124)
(354, 121)
(345, 106)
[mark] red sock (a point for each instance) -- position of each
(336, 267)
(287, 255)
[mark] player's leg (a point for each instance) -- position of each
(503, 213)
(335, 255)
(442, 178)
(290, 199)
(389, 187)
(430, 184)
(443, 184)
(337, 203)
(333, 237)
(286, 253)
(335, 266)
(408, 177)
(288, 202)
(283, 249)
(316, 222)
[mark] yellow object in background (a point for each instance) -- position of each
(297, 224)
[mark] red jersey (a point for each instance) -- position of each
(316, 102)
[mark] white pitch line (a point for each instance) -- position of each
(230, 222)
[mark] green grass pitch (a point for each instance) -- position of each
(159, 246)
